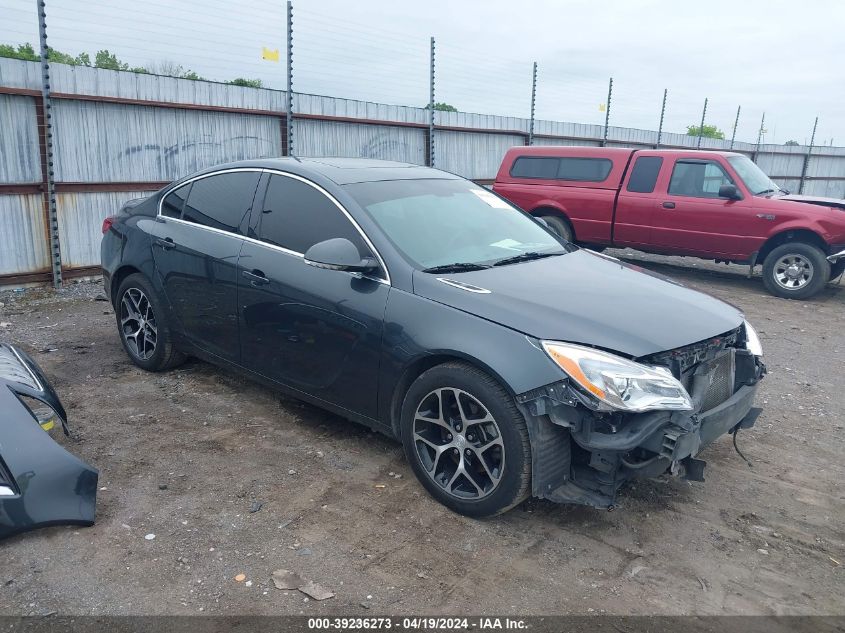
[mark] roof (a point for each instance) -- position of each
(344, 171)
(609, 152)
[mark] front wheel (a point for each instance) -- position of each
(466, 441)
(795, 270)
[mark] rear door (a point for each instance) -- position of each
(312, 329)
(690, 217)
(636, 204)
(196, 246)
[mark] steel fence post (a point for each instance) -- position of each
(607, 112)
(533, 103)
(736, 123)
(759, 138)
(701, 127)
(289, 94)
(807, 157)
(431, 107)
(47, 150)
(662, 114)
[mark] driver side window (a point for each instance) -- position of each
(295, 216)
(698, 179)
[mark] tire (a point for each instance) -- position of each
(142, 325)
(795, 270)
(486, 436)
(560, 225)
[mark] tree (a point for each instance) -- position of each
(707, 131)
(442, 107)
(791, 142)
(23, 51)
(109, 61)
(171, 69)
(246, 83)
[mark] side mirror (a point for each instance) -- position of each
(730, 192)
(339, 253)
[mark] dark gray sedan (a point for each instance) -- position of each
(508, 361)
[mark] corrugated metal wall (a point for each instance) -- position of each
(110, 142)
(183, 128)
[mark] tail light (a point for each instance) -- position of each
(107, 224)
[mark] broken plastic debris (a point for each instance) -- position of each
(380, 486)
(240, 577)
(150, 536)
(314, 590)
(288, 580)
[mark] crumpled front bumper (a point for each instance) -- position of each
(41, 484)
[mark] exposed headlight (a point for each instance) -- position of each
(42, 412)
(752, 341)
(618, 383)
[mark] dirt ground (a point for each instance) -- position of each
(185, 454)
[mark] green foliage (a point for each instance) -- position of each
(442, 107)
(109, 61)
(791, 142)
(23, 51)
(247, 83)
(707, 131)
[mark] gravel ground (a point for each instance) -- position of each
(186, 455)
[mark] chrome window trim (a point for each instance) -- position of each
(28, 370)
(165, 218)
(5, 491)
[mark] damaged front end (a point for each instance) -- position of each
(585, 445)
(41, 484)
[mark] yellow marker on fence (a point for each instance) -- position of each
(271, 55)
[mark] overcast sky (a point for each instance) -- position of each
(784, 58)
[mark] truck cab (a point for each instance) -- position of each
(714, 205)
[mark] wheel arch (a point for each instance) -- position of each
(117, 278)
(419, 366)
(806, 236)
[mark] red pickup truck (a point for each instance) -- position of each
(714, 205)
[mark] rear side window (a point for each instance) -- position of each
(644, 174)
(296, 216)
(562, 168)
(174, 201)
(222, 201)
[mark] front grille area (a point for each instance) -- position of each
(719, 383)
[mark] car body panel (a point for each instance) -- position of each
(41, 484)
(588, 299)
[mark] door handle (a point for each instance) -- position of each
(668, 205)
(256, 277)
(166, 243)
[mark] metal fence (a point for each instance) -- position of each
(77, 141)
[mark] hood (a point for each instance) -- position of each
(820, 201)
(581, 297)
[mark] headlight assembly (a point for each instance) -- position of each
(618, 383)
(752, 341)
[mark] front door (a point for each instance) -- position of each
(312, 329)
(196, 246)
(691, 218)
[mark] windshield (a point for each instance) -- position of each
(442, 222)
(754, 178)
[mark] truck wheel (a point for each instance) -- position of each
(560, 226)
(795, 270)
(466, 441)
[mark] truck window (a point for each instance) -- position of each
(644, 174)
(697, 179)
(563, 168)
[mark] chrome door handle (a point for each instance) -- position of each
(166, 243)
(256, 277)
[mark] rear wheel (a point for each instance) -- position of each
(143, 328)
(560, 225)
(466, 440)
(795, 270)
